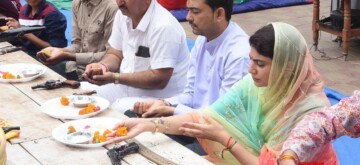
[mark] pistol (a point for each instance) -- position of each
(52, 84)
(117, 153)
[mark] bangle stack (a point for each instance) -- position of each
(160, 121)
(289, 156)
(156, 122)
(228, 147)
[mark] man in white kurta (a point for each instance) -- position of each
(148, 54)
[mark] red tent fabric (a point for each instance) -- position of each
(173, 4)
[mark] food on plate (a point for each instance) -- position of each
(89, 109)
(121, 131)
(8, 75)
(100, 138)
(71, 129)
(64, 101)
(79, 137)
(30, 72)
(81, 101)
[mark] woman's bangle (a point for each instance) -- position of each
(227, 146)
(289, 156)
(232, 145)
(228, 142)
(156, 122)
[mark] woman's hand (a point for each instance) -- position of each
(135, 126)
(211, 130)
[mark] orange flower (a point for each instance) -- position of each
(71, 129)
(8, 75)
(89, 109)
(122, 131)
(64, 101)
(96, 138)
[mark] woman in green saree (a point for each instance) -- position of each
(258, 113)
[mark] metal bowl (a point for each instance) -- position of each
(30, 72)
(81, 101)
(79, 138)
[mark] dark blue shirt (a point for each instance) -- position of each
(50, 17)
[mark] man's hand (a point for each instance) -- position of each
(51, 55)
(160, 111)
(153, 108)
(12, 23)
(97, 74)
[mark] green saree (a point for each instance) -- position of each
(264, 116)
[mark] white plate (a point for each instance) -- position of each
(55, 109)
(60, 132)
(18, 69)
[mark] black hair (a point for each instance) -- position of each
(226, 4)
(263, 40)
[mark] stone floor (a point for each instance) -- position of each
(341, 75)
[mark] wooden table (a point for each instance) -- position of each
(345, 34)
(21, 105)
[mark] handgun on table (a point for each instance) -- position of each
(52, 84)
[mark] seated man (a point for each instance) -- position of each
(41, 12)
(148, 54)
(219, 58)
(91, 28)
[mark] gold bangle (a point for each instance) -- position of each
(116, 77)
(156, 122)
(288, 156)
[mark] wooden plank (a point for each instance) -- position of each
(22, 111)
(4, 44)
(160, 149)
(16, 155)
(49, 151)
(157, 147)
(134, 158)
(40, 95)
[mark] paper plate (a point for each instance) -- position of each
(101, 124)
(26, 72)
(55, 109)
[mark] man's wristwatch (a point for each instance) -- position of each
(116, 77)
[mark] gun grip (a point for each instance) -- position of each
(71, 83)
